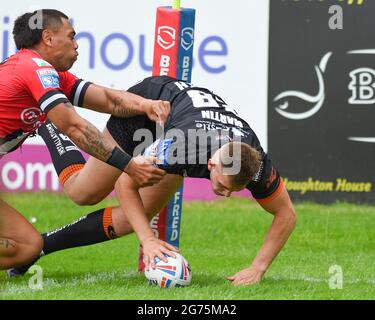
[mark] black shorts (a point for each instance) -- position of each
(123, 130)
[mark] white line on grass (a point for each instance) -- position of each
(321, 280)
(48, 283)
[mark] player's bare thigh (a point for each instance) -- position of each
(94, 182)
(154, 198)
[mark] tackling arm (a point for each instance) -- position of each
(87, 137)
(124, 104)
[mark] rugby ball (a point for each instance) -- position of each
(175, 273)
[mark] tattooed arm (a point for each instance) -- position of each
(84, 134)
(124, 104)
(88, 138)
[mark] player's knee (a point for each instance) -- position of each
(34, 247)
(19, 253)
(30, 252)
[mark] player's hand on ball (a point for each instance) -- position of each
(143, 172)
(247, 276)
(153, 248)
(157, 110)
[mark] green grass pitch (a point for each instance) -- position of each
(218, 239)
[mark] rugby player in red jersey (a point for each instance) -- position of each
(35, 84)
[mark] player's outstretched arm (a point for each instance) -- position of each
(88, 138)
(282, 226)
(132, 207)
(124, 104)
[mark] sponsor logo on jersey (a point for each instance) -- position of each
(41, 62)
(49, 78)
(30, 115)
(259, 174)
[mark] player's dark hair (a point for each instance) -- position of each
(28, 28)
(248, 158)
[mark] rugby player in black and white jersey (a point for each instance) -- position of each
(202, 138)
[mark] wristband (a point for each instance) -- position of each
(119, 159)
